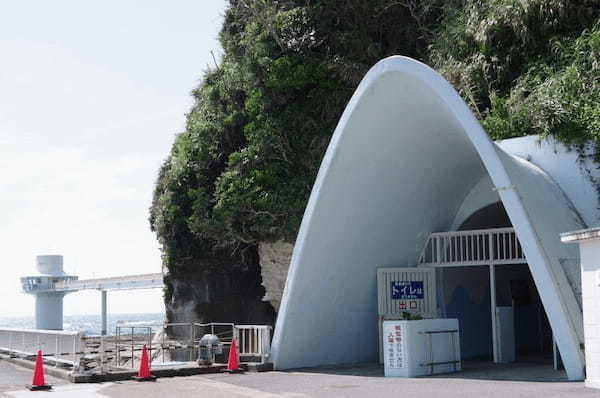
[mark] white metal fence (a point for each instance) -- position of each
(58, 346)
(475, 247)
(253, 341)
(83, 353)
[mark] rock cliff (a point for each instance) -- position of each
(274, 264)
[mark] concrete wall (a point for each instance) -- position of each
(480, 196)
(564, 167)
(590, 277)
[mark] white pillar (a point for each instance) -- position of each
(493, 310)
(103, 294)
(49, 311)
(589, 250)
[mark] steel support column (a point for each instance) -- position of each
(103, 315)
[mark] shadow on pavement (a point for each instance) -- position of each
(472, 369)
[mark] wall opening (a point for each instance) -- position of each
(522, 326)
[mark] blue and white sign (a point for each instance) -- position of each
(407, 290)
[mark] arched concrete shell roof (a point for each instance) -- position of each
(406, 153)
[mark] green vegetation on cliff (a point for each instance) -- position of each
(243, 169)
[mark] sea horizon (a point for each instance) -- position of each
(87, 324)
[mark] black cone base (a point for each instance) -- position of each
(149, 378)
(239, 370)
(45, 387)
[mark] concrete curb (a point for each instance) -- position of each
(49, 370)
(129, 374)
(258, 367)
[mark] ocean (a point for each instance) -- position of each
(89, 324)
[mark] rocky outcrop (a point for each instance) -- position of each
(274, 264)
(249, 294)
(218, 294)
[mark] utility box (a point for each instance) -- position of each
(402, 292)
(421, 347)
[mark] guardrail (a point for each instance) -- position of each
(253, 341)
(100, 353)
(62, 348)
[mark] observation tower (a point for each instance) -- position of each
(48, 301)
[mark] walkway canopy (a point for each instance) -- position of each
(406, 154)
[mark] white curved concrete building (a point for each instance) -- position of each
(408, 158)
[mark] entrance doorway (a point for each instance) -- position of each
(523, 330)
(516, 296)
(484, 281)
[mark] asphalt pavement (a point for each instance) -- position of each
(353, 382)
(14, 377)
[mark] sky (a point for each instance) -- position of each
(92, 94)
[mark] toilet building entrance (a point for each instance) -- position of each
(483, 280)
(523, 331)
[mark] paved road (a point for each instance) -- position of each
(345, 383)
(15, 377)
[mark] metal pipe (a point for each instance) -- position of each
(74, 351)
(102, 352)
(56, 351)
(132, 353)
(103, 312)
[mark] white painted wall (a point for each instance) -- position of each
(480, 196)
(590, 278)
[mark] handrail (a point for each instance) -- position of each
(62, 347)
(40, 331)
(472, 247)
(473, 231)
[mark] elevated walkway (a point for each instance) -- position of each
(58, 285)
(129, 282)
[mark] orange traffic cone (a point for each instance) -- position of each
(144, 371)
(38, 383)
(233, 365)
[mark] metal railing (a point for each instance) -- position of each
(133, 337)
(60, 347)
(253, 341)
(121, 351)
(43, 283)
(475, 247)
